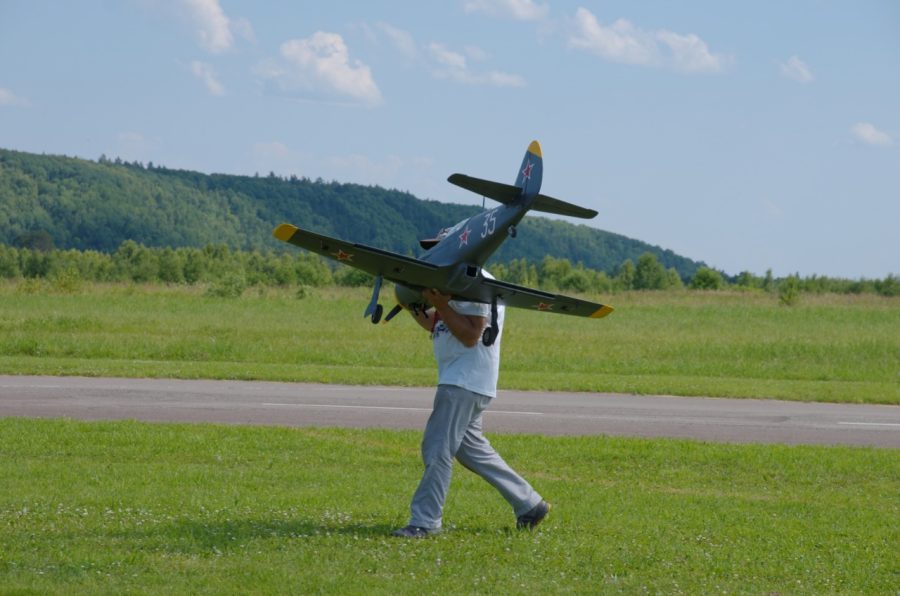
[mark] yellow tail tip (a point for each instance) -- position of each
(535, 148)
(284, 232)
(602, 312)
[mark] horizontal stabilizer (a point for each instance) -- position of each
(502, 193)
(506, 194)
(551, 205)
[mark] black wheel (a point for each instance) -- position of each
(376, 316)
(489, 336)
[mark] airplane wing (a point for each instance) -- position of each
(529, 298)
(375, 261)
(415, 273)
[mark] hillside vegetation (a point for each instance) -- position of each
(69, 203)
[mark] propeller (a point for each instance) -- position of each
(393, 313)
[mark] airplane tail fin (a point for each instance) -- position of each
(528, 185)
(532, 171)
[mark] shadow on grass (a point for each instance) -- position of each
(212, 537)
(191, 537)
(227, 534)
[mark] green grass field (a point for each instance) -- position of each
(827, 348)
(128, 507)
(151, 508)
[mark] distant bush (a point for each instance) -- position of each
(707, 279)
(232, 285)
(789, 291)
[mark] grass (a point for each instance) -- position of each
(149, 508)
(827, 348)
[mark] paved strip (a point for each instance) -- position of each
(533, 412)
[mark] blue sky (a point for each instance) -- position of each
(748, 135)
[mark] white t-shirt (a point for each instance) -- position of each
(475, 368)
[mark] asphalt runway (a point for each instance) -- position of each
(533, 412)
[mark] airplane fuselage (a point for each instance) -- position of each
(467, 246)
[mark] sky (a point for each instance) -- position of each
(748, 135)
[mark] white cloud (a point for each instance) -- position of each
(11, 100)
(476, 53)
(320, 67)
(625, 43)
(520, 10)
(797, 70)
(453, 61)
(443, 62)
(243, 28)
(205, 73)
(690, 54)
(213, 25)
(402, 40)
(867, 133)
(619, 42)
(454, 66)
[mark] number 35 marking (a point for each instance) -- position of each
(490, 224)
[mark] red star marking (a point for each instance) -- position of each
(527, 171)
(342, 256)
(464, 237)
(543, 306)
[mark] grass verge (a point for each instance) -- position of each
(135, 507)
(829, 348)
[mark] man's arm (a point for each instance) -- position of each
(466, 328)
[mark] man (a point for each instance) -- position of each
(467, 381)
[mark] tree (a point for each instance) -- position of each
(707, 279)
(768, 282)
(625, 277)
(40, 240)
(673, 280)
(137, 262)
(789, 290)
(9, 262)
(649, 273)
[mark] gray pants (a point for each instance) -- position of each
(454, 430)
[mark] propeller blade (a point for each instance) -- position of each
(393, 313)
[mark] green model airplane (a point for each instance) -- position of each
(452, 262)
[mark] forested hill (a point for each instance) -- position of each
(76, 203)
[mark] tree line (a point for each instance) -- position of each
(67, 203)
(229, 272)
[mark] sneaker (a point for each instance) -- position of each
(531, 519)
(414, 532)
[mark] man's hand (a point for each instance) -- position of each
(466, 328)
(436, 299)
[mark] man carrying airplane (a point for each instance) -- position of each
(467, 381)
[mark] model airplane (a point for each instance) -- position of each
(452, 262)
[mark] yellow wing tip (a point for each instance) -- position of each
(602, 312)
(284, 232)
(535, 148)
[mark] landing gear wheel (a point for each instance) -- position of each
(376, 316)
